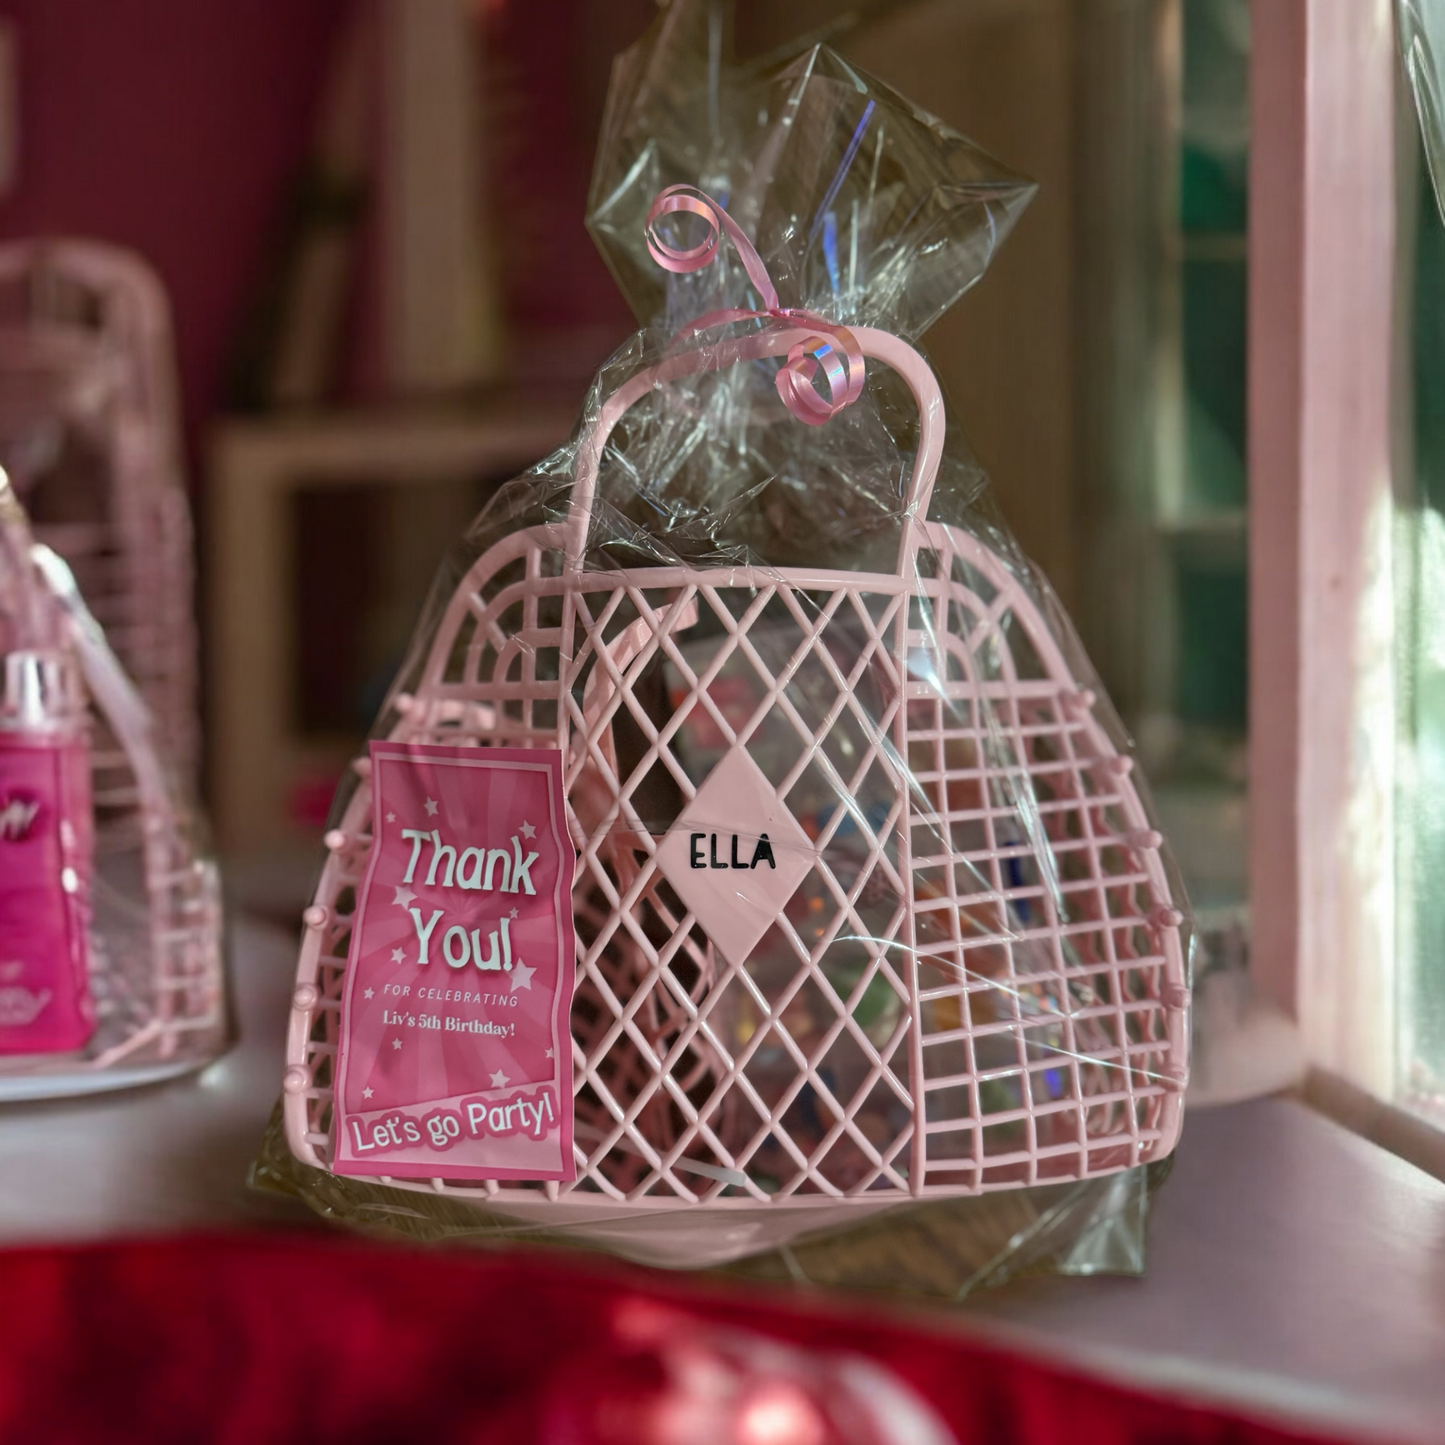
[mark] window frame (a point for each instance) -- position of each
(1322, 349)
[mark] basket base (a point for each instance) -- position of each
(676, 1236)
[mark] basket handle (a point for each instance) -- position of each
(882, 346)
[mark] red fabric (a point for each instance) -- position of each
(278, 1339)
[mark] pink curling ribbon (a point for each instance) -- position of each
(834, 351)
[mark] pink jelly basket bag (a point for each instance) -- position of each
(963, 972)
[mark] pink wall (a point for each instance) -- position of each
(171, 127)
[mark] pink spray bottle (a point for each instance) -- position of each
(46, 821)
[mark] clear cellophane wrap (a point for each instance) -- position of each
(958, 1052)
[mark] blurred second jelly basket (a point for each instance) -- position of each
(110, 916)
(90, 437)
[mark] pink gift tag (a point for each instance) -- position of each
(455, 1055)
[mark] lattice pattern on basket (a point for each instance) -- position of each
(976, 983)
(1080, 1009)
(85, 353)
(1011, 1044)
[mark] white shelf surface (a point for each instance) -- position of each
(170, 1156)
(1293, 1267)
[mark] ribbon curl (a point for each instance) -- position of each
(834, 350)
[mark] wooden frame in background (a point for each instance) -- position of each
(255, 752)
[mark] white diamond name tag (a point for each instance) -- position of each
(736, 855)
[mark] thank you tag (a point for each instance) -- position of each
(455, 1056)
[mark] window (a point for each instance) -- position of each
(1420, 548)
